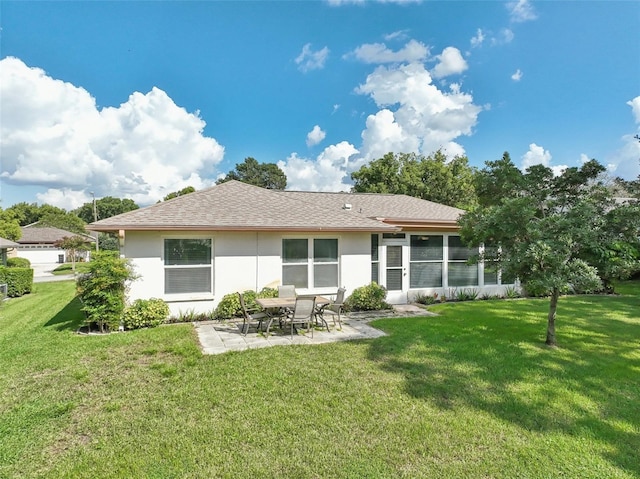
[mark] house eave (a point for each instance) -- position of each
(429, 225)
(296, 229)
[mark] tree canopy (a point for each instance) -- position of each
(266, 175)
(555, 233)
(9, 226)
(433, 178)
(105, 208)
(184, 191)
(72, 245)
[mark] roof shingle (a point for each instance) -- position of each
(238, 206)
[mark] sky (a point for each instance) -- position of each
(140, 99)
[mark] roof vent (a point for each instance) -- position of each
(346, 206)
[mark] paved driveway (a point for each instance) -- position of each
(42, 272)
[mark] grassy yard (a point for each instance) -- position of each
(471, 393)
(67, 268)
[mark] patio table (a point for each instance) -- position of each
(278, 304)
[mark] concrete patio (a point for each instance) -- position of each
(218, 337)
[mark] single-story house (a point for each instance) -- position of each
(5, 245)
(194, 249)
(37, 244)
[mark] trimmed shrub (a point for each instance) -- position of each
(145, 313)
(229, 305)
(18, 263)
(367, 298)
(19, 280)
(102, 289)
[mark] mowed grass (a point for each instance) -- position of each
(471, 393)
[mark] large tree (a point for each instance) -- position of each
(105, 208)
(434, 178)
(9, 226)
(553, 232)
(498, 180)
(266, 175)
(64, 221)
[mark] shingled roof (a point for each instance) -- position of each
(5, 243)
(34, 234)
(238, 206)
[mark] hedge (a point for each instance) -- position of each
(19, 280)
(18, 263)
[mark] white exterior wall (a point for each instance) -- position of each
(45, 254)
(251, 261)
(242, 261)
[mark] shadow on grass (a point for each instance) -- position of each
(69, 318)
(491, 356)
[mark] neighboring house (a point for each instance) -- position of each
(37, 244)
(194, 249)
(5, 245)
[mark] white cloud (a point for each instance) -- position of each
(537, 155)
(521, 11)
(315, 136)
(414, 114)
(64, 198)
(399, 35)
(379, 53)
(635, 108)
(326, 173)
(450, 63)
(517, 76)
(506, 35)
(53, 135)
(309, 60)
(626, 160)
(478, 39)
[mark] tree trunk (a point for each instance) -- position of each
(551, 324)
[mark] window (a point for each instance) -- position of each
(310, 268)
(375, 258)
(188, 266)
(461, 273)
(425, 267)
(490, 266)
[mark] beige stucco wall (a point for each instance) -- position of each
(242, 261)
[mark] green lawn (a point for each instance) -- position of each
(67, 268)
(472, 393)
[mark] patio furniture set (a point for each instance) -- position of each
(291, 310)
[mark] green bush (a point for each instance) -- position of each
(102, 289)
(426, 299)
(229, 305)
(18, 263)
(19, 280)
(145, 313)
(367, 298)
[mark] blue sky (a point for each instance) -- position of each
(138, 99)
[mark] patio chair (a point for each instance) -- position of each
(333, 309)
(249, 317)
(286, 291)
(303, 313)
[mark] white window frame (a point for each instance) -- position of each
(440, 261)
(459, 261)
(193, 296)
(311, 263)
